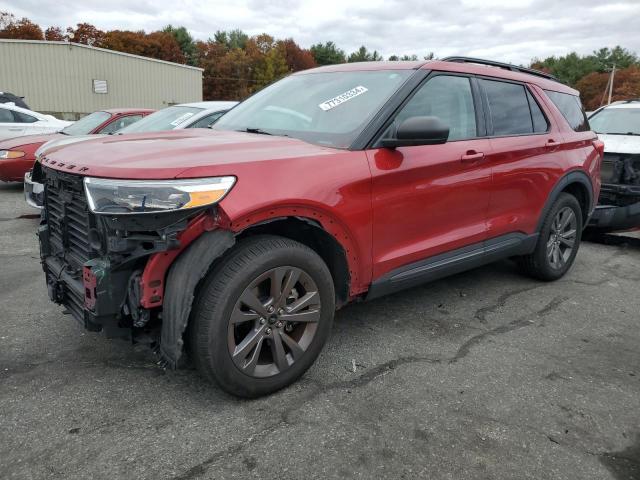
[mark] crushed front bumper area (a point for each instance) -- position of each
(618, 208)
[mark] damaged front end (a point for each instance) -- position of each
(109, 271)
(619, 203)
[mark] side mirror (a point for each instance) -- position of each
(418, 131)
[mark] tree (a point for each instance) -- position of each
(268, 60)
(23, 29)
(363, 55)
(85, 33)
(232, 39)
(54, 34)
(297, 58)
(593, 87)
(185, 41)
(160, 45)
(327, 54)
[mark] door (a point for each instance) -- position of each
(431, 199)
(9, 127)
(526, 157)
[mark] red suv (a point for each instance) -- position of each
(337, 184)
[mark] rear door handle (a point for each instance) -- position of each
(472, 156)
(15, 129)
(551, 144)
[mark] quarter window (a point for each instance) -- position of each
(508, 108)
(571, 109)
(447, 97)
(540, 124)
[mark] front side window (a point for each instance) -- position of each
(616, 121)
(508, 108)
(165, 119)
(571, 109)
(447, 97)
(328, 108)
(87, 124)
(120, 123)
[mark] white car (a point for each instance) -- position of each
(175, 117)
(618, 126)
(16, 122)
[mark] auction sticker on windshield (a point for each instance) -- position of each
(343, 97)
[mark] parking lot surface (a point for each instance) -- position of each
(486, 375)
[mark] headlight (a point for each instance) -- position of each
(11, 154)
(115, 197)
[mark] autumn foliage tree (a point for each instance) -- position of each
(594, 92)
(11, 27)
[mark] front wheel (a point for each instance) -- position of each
(558, 242)
(262, 316)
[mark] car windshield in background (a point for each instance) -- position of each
(165, 119)
(616, 121)
(87, 124)
(329, 109)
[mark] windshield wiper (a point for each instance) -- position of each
(619, 133)
(255, 130)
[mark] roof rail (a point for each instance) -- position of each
(631, 100)
(506, 66)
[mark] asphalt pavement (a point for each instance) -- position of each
(484, 375)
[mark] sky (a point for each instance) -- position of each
(511, 31)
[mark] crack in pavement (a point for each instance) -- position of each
(370, 376)
(520, 322)
(482, 313)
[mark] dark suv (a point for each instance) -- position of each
(336, 184)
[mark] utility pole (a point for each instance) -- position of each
(613, 74)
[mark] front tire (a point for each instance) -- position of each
(262, 316)
(558, 242)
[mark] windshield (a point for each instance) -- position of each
(87, 124)
(328, 109)
(165, 119)
(617, 121)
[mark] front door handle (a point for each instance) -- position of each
(15, 129)
(472, 156)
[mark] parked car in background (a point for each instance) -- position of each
(176, 117)
(618, 126)
(18, 154)
(8, 97)
(342, 183)
(16, 122)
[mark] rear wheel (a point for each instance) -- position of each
(262, 316)
(558, 243)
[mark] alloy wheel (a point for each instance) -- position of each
(562, 237)
(273, 321)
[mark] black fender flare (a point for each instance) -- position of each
(575, 176)
(185, 274)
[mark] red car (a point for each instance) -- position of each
(17, 155)
(333, 185)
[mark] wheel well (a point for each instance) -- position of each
(311, 234)
(579, 191)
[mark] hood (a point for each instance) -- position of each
(165, 155)
(28, 140)
(620, 143)
(60, 140)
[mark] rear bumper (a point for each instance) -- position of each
(33, 191)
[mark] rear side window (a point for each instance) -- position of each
(571, 109)
(24, 118)
(508, 108)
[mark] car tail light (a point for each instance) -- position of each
(599, 146)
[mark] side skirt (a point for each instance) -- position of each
(452, 262)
